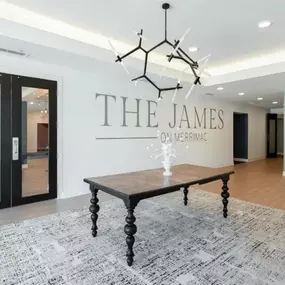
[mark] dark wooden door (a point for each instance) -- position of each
(240, 136)
(271, 135)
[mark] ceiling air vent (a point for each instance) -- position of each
(15, 52)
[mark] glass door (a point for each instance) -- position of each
(34, 131)
(28, 135)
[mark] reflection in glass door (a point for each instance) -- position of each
(35, 141)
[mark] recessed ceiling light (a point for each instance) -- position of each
(241, 94)
(193, 49)
(259, 98)
(31, 103)
(220, 88)
(274, 102)
(264, 24)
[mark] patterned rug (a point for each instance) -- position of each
(192, 245)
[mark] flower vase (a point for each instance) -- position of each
(167, 166)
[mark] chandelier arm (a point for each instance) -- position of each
(171, 88)
(180, 58)
(192, 65)
(139, 77)
(188, 59)
(169, 43)
(158, 45)
(145, 63)
(127, 54)
(195, 73)
(172, 53)
(197, 80)
(151, 82)
(185, 54)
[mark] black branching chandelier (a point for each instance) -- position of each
(177, 53)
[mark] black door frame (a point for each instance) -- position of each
(6, 145)
(269, 117)
(13, 128)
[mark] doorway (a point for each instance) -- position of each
(28, 140)
(240, 137)
(272, 135)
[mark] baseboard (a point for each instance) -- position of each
(241, 159)
(279, 153)
(221, 165)
(257, 158)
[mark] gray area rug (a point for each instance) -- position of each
(174, 245)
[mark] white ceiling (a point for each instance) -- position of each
(226, 29)
(271, 88)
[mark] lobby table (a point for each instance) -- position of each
(135, 186)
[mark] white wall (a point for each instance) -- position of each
(34, 118)
(277, 110)
(80, 117)
(256, 133)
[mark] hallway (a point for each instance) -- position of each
(258, 182)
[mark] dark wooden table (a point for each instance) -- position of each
(135, 186)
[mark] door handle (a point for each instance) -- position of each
(15, 148)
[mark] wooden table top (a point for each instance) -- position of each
(144, 183)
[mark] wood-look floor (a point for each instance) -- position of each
(258, 182)
(35, 177)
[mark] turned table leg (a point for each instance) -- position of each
(130, 229)
(94, 209)
(225, 195)
(185, 191)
